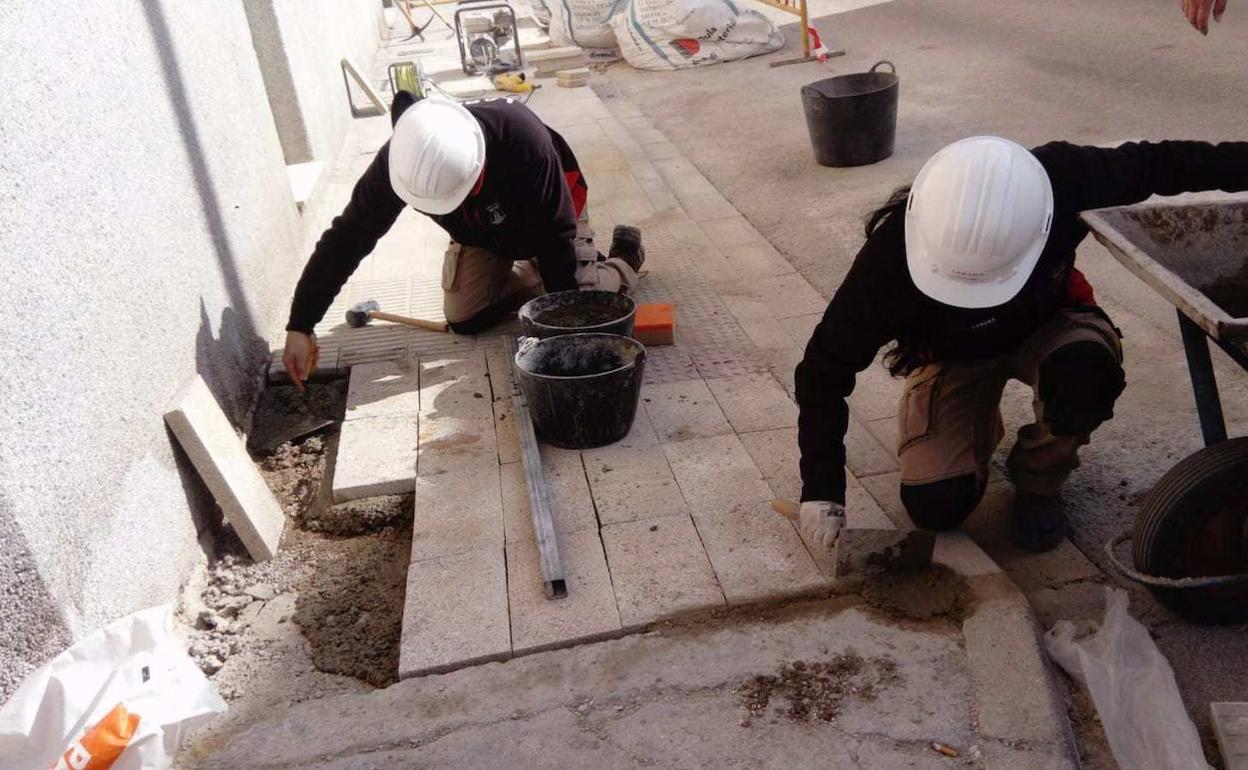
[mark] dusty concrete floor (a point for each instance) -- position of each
(830, 683)
(1034, 72)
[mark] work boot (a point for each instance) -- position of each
(626, 245)
(1038, 522)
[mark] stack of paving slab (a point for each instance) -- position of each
(549, 61)
(573, 78)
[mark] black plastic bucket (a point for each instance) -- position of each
(582, 389)
(852, 119)
(578, 312)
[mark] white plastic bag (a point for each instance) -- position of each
(678, 34)
(1133, 688)
(122, 698)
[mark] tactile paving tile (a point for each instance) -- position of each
(668, 363)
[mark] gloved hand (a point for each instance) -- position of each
(821, 521)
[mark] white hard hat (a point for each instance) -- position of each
(436, 155)
(976, 222)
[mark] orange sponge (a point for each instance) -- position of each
(655, 324)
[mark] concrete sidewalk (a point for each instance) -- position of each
(673, 522)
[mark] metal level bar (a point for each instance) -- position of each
(553, 579)
(1204, 382)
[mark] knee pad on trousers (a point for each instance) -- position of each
(1079, 384)
(942, 504)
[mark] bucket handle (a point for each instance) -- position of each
(891, 66)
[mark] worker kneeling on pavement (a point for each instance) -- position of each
(970, 273)
(504, 185)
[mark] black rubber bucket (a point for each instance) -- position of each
(582, 389)
(852, 119)
(578, 312)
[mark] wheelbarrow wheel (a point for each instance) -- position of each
(1195, 523)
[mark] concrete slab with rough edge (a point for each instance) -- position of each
(455, 613)
(383, 388)
(457, 513)
(221, 459)
(587, 613)
(756, 553)
(628, 484)
(659, 569)
(376, 456)
(754, 402)
(1230, 725)
(1017, 697)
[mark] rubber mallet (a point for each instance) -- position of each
(363, 312)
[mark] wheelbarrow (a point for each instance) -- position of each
(1190, 541)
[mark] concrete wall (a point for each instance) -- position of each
(148, 233)
(300, 44)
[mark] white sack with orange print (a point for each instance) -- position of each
(122, 698)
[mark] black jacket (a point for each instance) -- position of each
(525, 209)
(878, 303)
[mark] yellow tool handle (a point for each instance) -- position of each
(786, 508)
(419, 323)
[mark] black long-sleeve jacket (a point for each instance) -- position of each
(524, 209)
(878, 302)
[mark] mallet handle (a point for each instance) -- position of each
(419, 323)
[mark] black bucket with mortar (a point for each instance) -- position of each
(578, 312)
(852, 119)
(582, 389)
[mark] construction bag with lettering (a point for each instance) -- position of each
(585, 23)
(122, 698)
(678, 34)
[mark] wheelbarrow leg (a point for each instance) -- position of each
(1204, 383)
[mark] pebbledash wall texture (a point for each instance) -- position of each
(149, 234)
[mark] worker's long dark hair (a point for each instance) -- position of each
(901, 359)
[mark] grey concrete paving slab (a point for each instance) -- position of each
(682, 410)
(457, 512)
(505, 431)
(659, 569)
(451, 444)
(757, 554)
(628, 484)
(221, 460)
(455, 612)
(570, 498)
(455, 387)
(754, 402)
(864, 454)
(715, 473)
(587, 613)
(376, 456)
(383, 388)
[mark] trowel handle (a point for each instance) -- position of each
(419, 323)
(787, 508)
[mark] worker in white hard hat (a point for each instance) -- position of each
(970, 274)
(507, 189)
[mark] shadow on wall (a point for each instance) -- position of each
(32, 629)
(234, 358)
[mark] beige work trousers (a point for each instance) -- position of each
(474, 279)
(949, 418)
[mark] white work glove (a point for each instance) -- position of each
(821, 522)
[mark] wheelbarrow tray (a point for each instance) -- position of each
(1195, 255)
